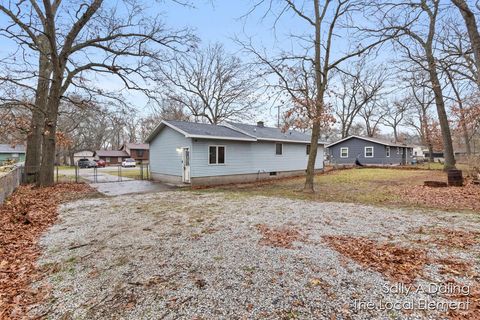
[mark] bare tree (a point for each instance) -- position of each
(395, 113)
(98, 40)
(415, 26)
(472, 28)
(316, 57)
(360, 88)
(210, 84)
(372, 114)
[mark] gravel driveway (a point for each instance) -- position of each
(194, 255)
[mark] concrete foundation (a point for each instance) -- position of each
(244, 178)
(229, 179)
(166, 178)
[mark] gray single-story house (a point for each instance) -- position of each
(369, 151)
(14, 153)
(206, 154)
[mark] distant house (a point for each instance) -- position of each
(84, 154)
(419, 152)
(205, 154)
(111, 157)
(369, 151)
(137, 151)
(15, 153)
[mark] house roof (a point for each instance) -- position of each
(137, 146)
(7, 148)
(270, 134)
(111, 153)
(201, 130)
(375, 140)
(231, 131)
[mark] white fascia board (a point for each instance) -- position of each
(218, 137)
(285, 140)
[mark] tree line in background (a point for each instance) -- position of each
(355, 67)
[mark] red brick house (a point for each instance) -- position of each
(137, 151)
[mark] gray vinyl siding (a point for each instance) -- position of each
(243, 157)
(164, 157)
(357, 146)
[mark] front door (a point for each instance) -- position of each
(186, 165)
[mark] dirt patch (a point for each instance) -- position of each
(396, 263)
(281, 237)
(25, 215)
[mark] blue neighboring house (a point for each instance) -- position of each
(369, 151)
(206, 154)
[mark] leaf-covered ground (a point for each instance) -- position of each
(25, 215)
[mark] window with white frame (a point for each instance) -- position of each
(343, 152)
(216, 155)
(398, 150)
(387, 150)
(368, 152)
(278, 149)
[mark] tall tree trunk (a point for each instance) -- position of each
(463, 125)
(35, 137)
(442, 114)
(47, 169)
(472, 29)
(309, 180)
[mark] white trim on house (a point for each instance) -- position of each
(365, 152)
(216, 154)
(341, 152)
(195, 136)
(285, 140)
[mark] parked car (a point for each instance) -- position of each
(101, 163)
(128, 163)
(85, 163)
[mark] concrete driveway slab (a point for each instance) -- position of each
(130, 187)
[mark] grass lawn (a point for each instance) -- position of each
(65, 167)
(377, 186)
(133, 174)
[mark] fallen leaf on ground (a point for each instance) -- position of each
(396, 263)
(25, 215)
